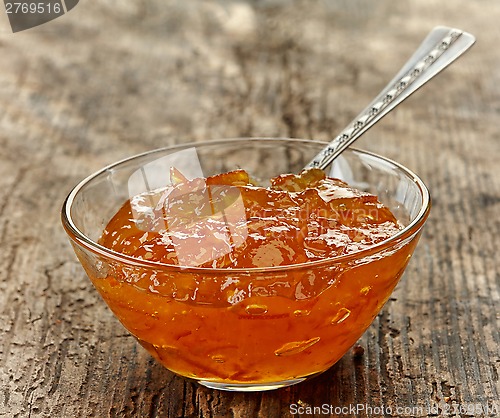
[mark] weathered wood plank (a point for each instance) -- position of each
(112, 79)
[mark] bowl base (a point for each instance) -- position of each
(250, 387)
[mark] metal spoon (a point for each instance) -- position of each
(438, 50)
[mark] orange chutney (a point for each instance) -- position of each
(232, 300)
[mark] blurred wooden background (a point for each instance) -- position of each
(114, 78)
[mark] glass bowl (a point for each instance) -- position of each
(245, 329)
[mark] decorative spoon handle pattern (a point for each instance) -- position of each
(439, 49)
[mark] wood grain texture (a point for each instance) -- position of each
(111, 79)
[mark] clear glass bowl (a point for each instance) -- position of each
(245, 329)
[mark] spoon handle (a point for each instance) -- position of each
(438, 50)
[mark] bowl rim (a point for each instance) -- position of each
(83, 240)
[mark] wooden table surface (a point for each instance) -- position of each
(114, 78)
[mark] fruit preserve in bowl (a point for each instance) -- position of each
(234, 267)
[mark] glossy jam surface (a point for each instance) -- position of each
(250, 326)
(226, 222)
